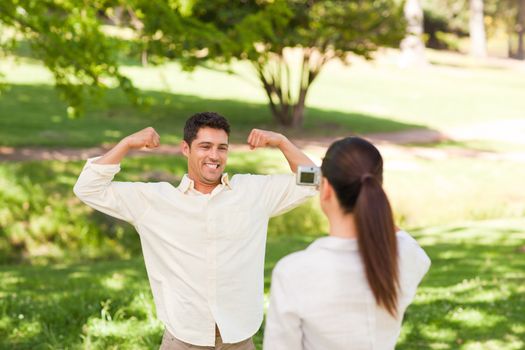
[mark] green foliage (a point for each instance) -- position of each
(66, 36)
(40, 220)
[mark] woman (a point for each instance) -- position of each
(351, 289)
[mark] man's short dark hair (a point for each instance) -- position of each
(204, 120)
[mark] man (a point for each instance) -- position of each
(204, 241)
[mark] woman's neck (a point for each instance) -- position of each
(342, 225)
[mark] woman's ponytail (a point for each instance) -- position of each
(377, 242)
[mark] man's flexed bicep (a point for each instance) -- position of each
(122, 200)
(265, 138)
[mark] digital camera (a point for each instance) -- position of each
(308, 175)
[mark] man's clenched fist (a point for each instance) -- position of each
(264, 138)
(145, 138)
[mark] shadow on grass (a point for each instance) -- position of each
(33, 115)
(100, 305)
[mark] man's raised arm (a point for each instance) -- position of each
(96, 188)
(294, 156)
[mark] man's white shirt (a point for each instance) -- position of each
(204, 253)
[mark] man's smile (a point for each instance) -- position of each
(212, 166)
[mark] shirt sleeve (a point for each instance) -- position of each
(415, 263)
(281, 193)
(283, 325)
(122, 200)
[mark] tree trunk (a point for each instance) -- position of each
(286, 110)
(510, 51)
(412, 46)
(478, 41)
(298, 109)
(521, 29)
(283, 115)
(297, 115)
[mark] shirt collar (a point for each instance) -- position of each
(187, 184)
(334, 243)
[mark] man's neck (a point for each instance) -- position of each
(203, 187)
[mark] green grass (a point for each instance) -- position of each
(472, 298)
(43, 121)
(474, 294)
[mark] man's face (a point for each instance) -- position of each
(207, 155)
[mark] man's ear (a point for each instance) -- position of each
(185, 148)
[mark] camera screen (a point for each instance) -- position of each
(307, 177)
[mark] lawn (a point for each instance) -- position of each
(472, 298)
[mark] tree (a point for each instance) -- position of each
(66, 36)
(264, 32)
(478, 41)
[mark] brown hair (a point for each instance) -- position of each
(354, 168)
(204, 120)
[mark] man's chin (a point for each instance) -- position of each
(212, 180)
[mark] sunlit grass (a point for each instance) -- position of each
(474, 292)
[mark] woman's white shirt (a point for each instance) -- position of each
(320, 298)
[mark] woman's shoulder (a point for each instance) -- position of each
(292, 262)
(299, 262)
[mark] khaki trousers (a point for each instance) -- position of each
(169, 342)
